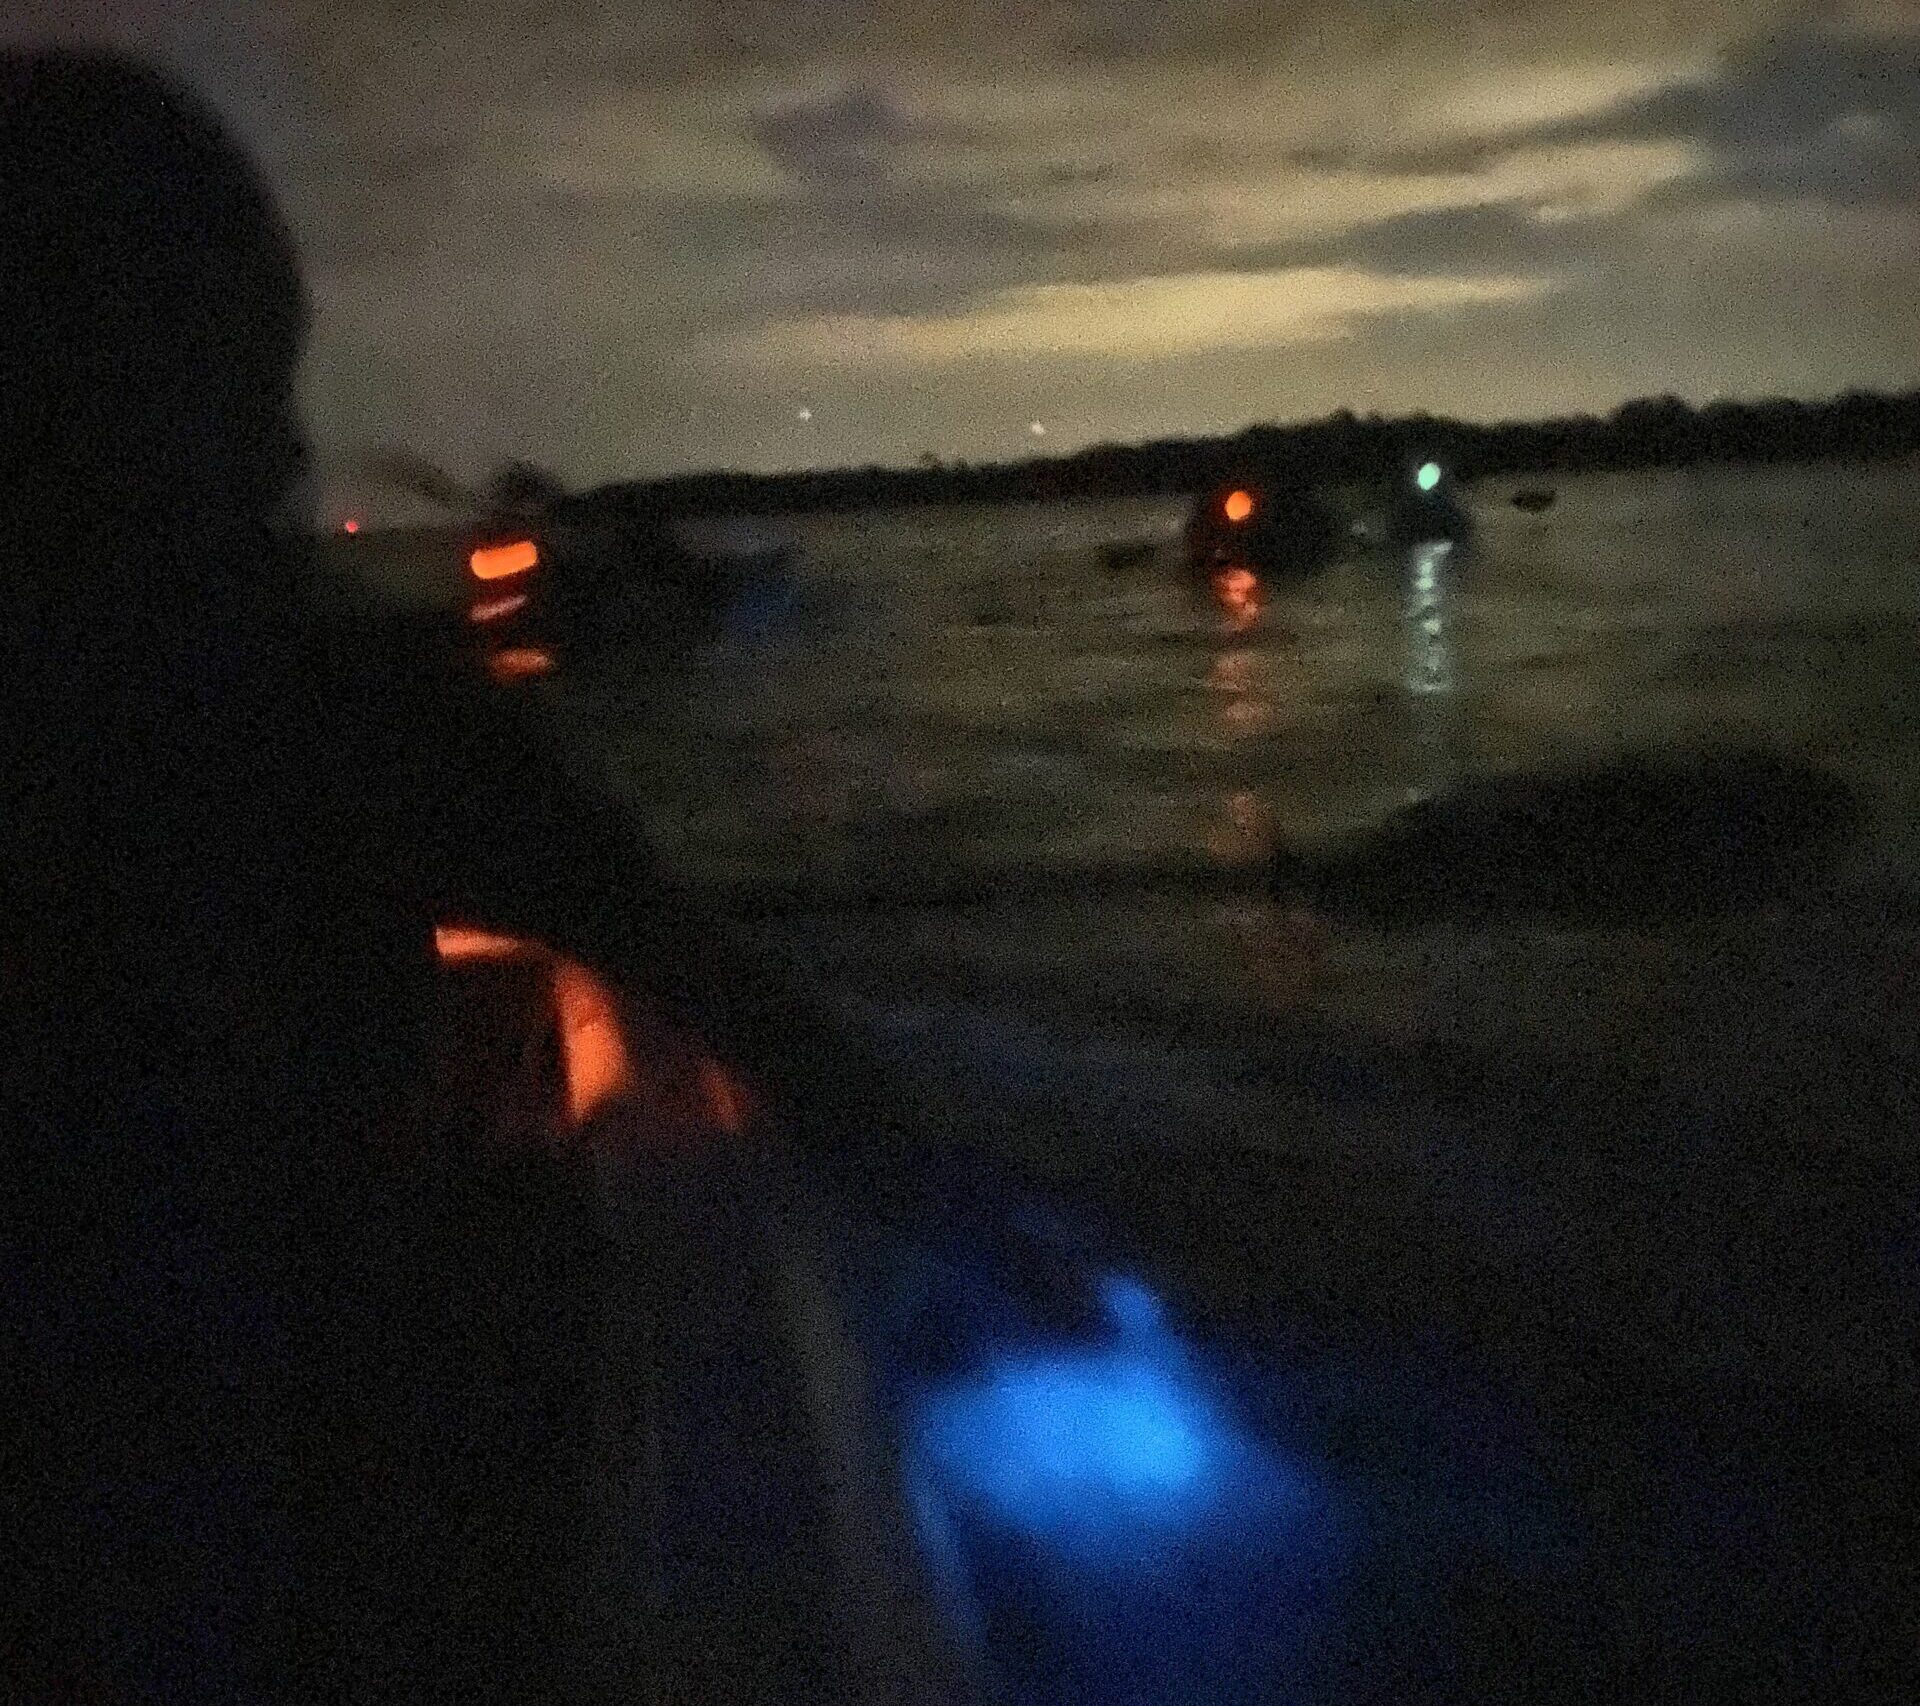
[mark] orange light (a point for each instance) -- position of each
(598, 1067)
(349, 526)
(1238, 507)
(458, 943)
(518, 663)
(496, 562)
(679, 1090)
(492, 609)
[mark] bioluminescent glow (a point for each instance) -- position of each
(1107, 1453)
(1102, 1520)
(1428, 477)
(1053, 1442)
(1135, 1312)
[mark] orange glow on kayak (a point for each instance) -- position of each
(492, 609)
(1238, 507)
(459, 943)
(496, 562)
(679, 1089)
(599, 1069)
(517, 663)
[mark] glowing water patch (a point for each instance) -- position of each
(1109, 1454)
(1058, 1445)
(1132, 1308)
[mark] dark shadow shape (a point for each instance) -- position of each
(1638, 839)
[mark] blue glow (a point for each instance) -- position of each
(1108, 1453)
(1101, 1499)
(1428, 477)
(1053, 1444)
(1102, 1521)
(1134, 1311)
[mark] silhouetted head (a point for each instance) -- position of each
(154, 319)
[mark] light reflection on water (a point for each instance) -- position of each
(1124, 720)
(1429, 676)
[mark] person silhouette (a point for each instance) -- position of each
(232, 818)
(233, 815)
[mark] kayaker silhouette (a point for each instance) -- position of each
(233, 819)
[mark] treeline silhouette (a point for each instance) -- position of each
(1648, 432)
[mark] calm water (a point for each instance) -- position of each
(969, 688)
(966, 695)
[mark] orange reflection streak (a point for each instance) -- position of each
(496, 562)
(1239, 593)
(517, 663)
(1238, 507)
(728, 1104)
(492, 609)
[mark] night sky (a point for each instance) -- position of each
(628, 239)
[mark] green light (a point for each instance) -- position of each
(1428, 477)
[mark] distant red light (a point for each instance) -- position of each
(1238, 507)
(350, 526)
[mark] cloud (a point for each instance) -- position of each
(849, 136)
(1816, 113)
(1440, 242)
(620, 236)
(1134, 320)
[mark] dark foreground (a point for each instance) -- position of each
(775, 1418)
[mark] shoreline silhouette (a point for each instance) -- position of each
(1341, 448)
